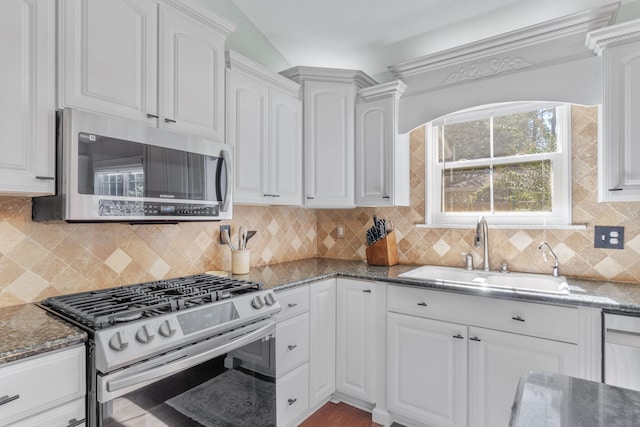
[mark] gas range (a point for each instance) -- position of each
(137, 322)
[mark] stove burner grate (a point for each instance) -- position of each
(101, 308)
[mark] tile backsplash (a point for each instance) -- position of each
(38, 260)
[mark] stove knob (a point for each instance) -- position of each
(119, 341)
(257, 302)
(145, 334)
(270, 299)
(166, 329)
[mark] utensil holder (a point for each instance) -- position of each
(384, 251)
(240, 261)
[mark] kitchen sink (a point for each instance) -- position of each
(490, 279)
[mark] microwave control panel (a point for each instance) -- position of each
(139, 208)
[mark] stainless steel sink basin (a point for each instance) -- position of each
(490, 279)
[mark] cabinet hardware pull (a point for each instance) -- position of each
(7, 399)
(518, 318)
(292, 304)
(169, 120)
(292, 346)
(475, 339)
(152, 116)
(458, 336)
(292, 401)
(73, 422)
(615, 189)
(46, 178)
(386, 197)
(310, 198)
(422, 304)
(367, 291)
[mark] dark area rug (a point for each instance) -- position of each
(232, 399)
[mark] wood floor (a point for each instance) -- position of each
(339, 415)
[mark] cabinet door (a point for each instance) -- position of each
(355, 339)
(427, 370)
(27, 105)
(329, 144)
(285, 149)
(322, 345)
(374, 153)
(497, 361)
(191, 76)
(620, 151)
(247, 132)
(109, 57)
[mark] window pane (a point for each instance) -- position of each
(525, 133)
(524, 187)
(467, 140)
(466, 190)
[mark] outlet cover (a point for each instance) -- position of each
(224, 227)
(340, 231)
(608, 237)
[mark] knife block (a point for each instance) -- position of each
(384, 251)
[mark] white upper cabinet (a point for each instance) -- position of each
(264, 124)
(618, 149)
(382, 155)
(329, 97)
(158, 63)
(27, 104)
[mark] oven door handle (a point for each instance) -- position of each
(184, 361)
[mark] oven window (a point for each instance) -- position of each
(208, 395)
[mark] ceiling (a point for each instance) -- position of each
(369, 35)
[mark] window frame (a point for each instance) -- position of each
(560, 161)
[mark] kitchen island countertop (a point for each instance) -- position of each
(545, 399)
(28, 330)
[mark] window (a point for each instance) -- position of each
(507, 162)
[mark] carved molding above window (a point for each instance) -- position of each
(485, 68)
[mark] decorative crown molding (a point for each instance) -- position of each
(301, 73)
(235, 61)
(486, 68)
(601, 39)
(554, 31)
(202, 15)
(395, 88)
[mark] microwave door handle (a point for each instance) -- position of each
(226, 158)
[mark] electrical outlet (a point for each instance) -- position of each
(340, 231)
(224, 227)
(608, 237)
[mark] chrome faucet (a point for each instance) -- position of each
(482, 239)
(556, 273)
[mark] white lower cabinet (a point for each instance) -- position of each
(427, 373)
(444, 369)
(44, 390)
(322, 348)
(292, 396)
(356, 338)
(497, 361)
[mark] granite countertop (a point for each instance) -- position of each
(546, 400)
(622, 297)
(28, 330)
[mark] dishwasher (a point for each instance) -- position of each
(622, 350)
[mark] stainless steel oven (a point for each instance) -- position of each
(161, 353)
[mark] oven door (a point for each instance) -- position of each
(192, 386)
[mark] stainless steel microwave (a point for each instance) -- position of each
(112, 169)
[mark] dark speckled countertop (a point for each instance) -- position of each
(27, 330)
(546, 400)
(623, 297)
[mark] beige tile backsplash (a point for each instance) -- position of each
(38, 260)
